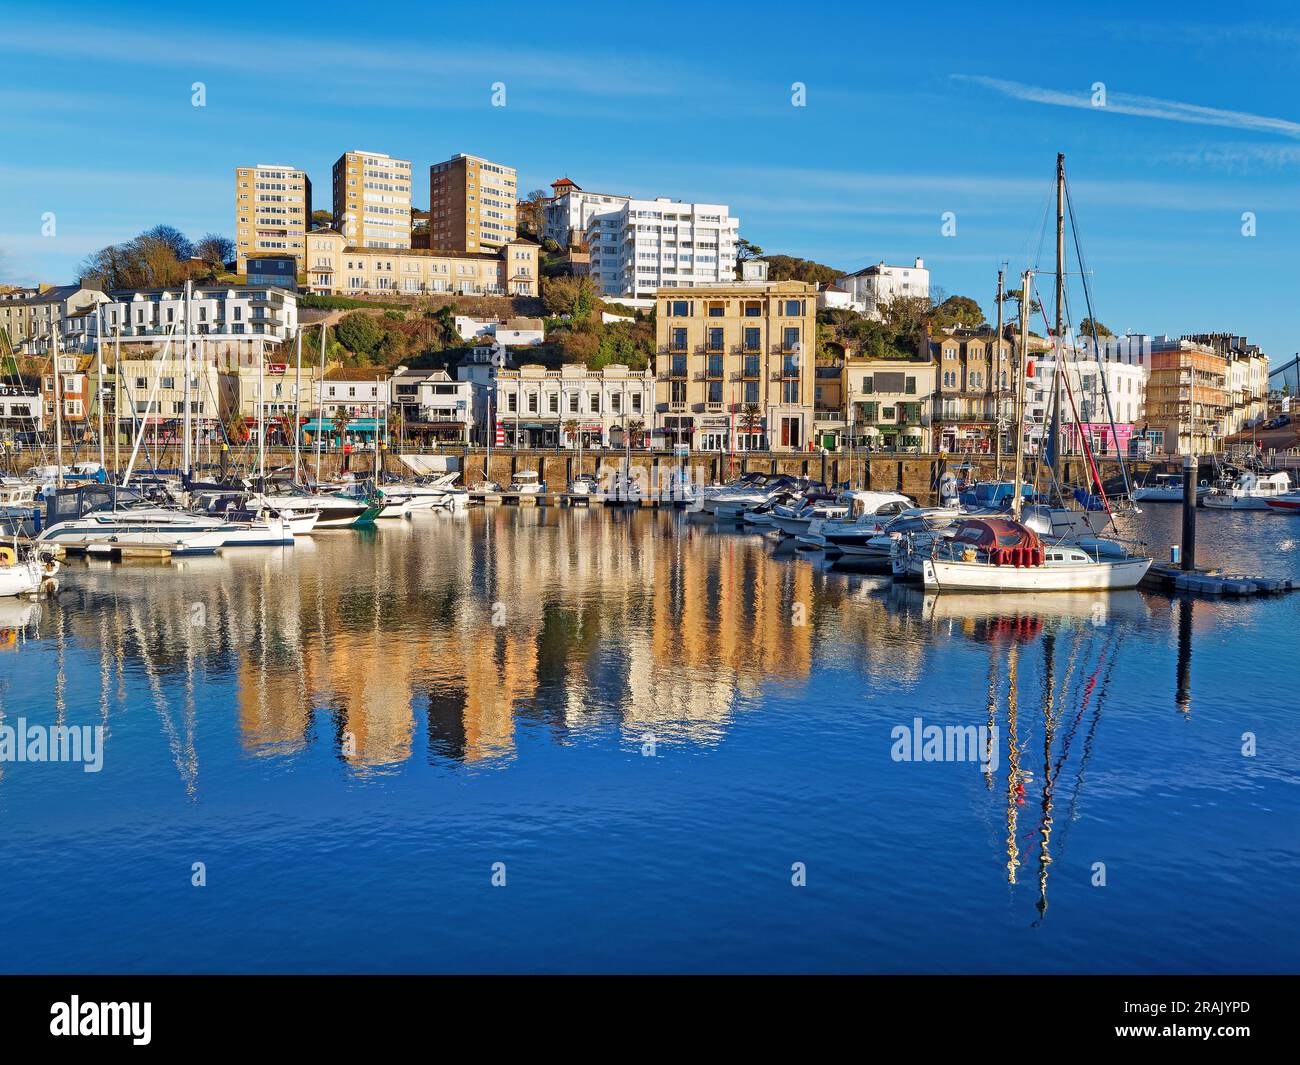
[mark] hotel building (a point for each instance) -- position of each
(471, 205)
(338, 267)
(272, 212)
(735, 366)
(372, 199)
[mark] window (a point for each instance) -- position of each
(594, 403)
(717, 308)
(715, 339)
(679, 339)
(790, 338)
(512, 402)
(554, 403)
(792, 308)
(573, 402)
(909, 386)
(752, 338)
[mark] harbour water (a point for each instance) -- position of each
(540, 739)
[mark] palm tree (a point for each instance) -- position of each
(342, 416)
(571, 429)
(751, 418)
(636, 427)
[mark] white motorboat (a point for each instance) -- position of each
(748, 493)
(921, 524)
(584, 484)
(424, 494)
(1165, 488)
(1000, 554)
(1250, 491)
(869, 513)
(1286, 504)
(526, 483)
(795, 518)
(23, 575)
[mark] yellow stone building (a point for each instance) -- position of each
(337, 267)
(734, 366)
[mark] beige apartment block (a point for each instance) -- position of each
(336, 267)
(735, 366)
(887, 401)
(272, 212)
(471, 204)
(372, 199)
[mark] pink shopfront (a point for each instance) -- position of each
(1100, 437)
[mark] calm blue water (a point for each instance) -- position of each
(350, 733)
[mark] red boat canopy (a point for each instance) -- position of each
(1008, 543)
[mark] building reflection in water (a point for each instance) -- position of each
(448, 637)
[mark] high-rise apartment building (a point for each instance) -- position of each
(471, 204)
(640, 246)
(372, 200)
(272, 212)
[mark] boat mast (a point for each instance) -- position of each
(1060, 323)
(995, 384)
(1026, 282)
(117, 393)
(261, 419)
(297, 406)
(58, 406)
(99, 381)
(186, 457)
(320, 405)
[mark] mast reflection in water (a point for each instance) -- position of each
(649, 721)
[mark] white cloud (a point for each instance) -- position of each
(1141, 106)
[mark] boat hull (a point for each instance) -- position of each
(945, 575)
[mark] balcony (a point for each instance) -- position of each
(713, 406)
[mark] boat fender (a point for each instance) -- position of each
(1205, 483)
(7, 556)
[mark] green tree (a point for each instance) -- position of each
(957, 311)
(359, 332)
(1087, 325)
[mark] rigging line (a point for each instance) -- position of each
(1089, 739)
(1087, 447)
(1096, 343)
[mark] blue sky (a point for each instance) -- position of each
(945, 108)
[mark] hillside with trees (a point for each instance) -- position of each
(158, 258)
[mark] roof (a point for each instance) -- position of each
(358, 373)
(57, 294)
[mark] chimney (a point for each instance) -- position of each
(920, 264)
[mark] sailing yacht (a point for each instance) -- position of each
(1000, 554)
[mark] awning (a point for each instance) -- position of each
(355, 425)
(869, 430)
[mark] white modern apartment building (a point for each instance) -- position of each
(272, 212)
(534, 405)
(233, 325)
(871, 286)
(372, 199)
(644, 245)
(571, 209)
